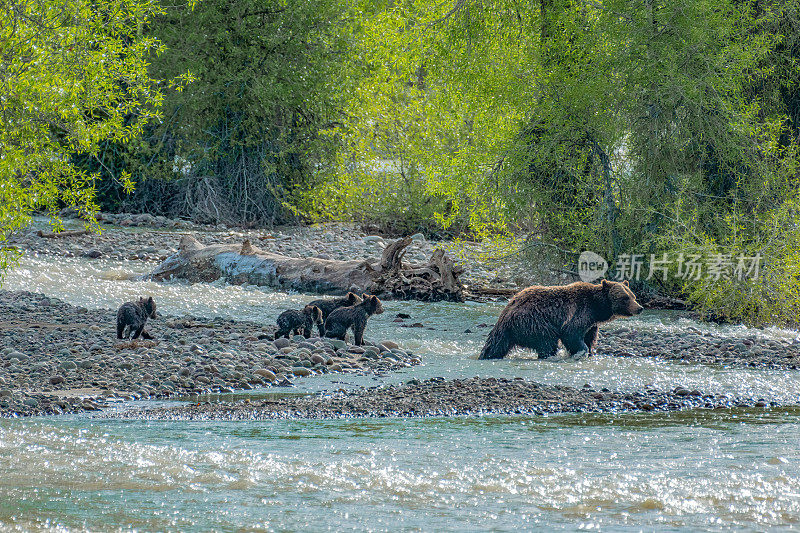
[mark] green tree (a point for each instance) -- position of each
(622, 126)
(73, 74)
(250, 128)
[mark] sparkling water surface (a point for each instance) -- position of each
(686, 471)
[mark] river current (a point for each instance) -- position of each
(681, 471)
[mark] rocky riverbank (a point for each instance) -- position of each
(440, 397)
(58, 358)
(694, 346)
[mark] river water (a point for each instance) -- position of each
(686, 471)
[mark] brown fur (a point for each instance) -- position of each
(539, 317)
(132, 316)
(327, 306)
(353, 316)
(293, 321)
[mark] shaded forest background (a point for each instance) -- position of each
(617, 126)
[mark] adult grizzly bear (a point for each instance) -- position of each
(538, 317)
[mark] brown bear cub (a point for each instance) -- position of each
(293, 321)
(132, 316)
(539, 317)
(329, 306)
(353, 316)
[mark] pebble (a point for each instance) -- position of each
(177, 362)
(440, 397)
(282, 342)
(390, 345)
(337, 344)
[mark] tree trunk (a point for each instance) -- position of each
(388, 277)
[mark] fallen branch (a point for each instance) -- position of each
(62, 234)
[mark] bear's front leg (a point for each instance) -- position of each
(591, 339)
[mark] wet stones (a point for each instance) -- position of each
(282, 342)
(70, 357)
(441, 397)
(690, 346)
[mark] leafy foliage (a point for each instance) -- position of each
(73, 74)
(245, 133)
(623, 126)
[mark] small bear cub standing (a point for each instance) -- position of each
(328, 306)
(353, 316)
(132, 316)
(293, 321)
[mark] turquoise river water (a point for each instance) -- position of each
(687, 471)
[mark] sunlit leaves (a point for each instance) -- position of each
(73, 73)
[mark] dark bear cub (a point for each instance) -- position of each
(293, 321)
(330, 305)
(539, 317)
(132, 316)
(353, 316)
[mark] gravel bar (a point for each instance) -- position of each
(440, 397)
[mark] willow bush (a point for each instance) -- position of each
(236, 143)
(73, 75)
(623, 127)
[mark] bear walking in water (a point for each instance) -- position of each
(293, 321)
(132, 316)
(539, 317)
(354, 316)
(327, 306)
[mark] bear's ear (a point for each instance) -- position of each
(605, 283)
(150, 300)
(625, 282)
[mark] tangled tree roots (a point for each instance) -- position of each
(389, 277)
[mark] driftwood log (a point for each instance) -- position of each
(62, 234)
(389, 277)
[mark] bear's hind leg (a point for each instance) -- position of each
(335, 332)
(545, 349)
(498, 344)
(575, 346)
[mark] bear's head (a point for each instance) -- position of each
(149, 306)
(372, 304)
(314, 312)
(621, 298)
(353, 298)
